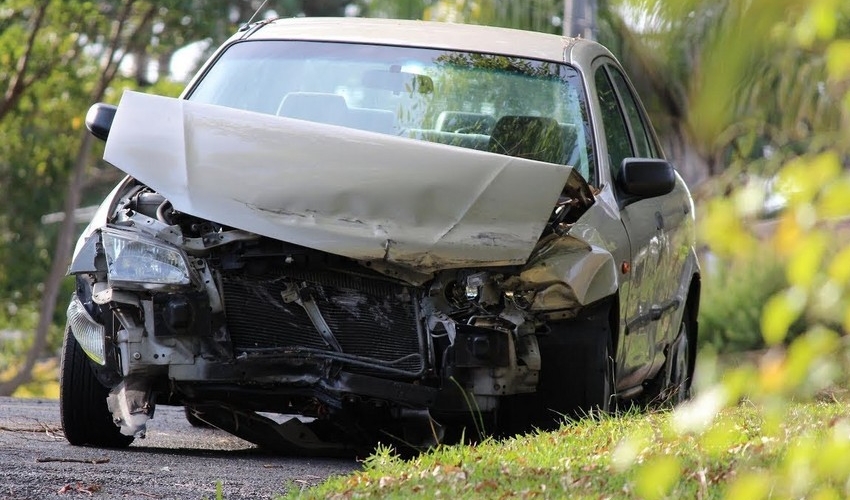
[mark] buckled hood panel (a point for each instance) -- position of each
(372, 197)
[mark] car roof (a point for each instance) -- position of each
(429, 34)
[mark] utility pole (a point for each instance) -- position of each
(580, 18)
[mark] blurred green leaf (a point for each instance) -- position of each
(804, 265)
(838, 59)
(834, 199)
(750, 486)
(779, 313)
(656, 477)
(808, 362)
(721, 437)
(833, 461)
(825, 20)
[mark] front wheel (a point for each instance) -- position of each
(85, 417)
(577, 376)
(193, 419)
(580, 378)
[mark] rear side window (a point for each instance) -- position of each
(643, 141)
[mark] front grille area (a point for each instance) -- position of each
(369, 317)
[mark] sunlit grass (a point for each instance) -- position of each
(633, 455)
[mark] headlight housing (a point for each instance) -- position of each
(136, 261)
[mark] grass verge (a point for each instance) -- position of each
(633, 455)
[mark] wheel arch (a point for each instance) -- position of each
(614, 321)
(692, 310)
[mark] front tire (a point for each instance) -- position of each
(577, 376)
(85, 417)
(579, 381)
(193, 419)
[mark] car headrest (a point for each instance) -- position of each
(465, 122)
(533, 137)
(314, 107)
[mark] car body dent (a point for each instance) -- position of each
(567, 273)
(579, 267)
(358, 194)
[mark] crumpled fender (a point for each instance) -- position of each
(566, 273)
(98, 221)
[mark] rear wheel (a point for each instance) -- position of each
(681, 366)
(85, 417)
(672, 385)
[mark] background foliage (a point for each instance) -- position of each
(735, 289)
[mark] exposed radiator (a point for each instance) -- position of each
(370, 318)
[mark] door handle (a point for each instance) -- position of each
(655, 313)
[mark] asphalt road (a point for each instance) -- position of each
(175, 460)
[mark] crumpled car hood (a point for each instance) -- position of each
(372, 197)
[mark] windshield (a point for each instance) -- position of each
(501, 104)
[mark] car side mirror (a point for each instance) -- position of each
(646, 177)
(99, 119)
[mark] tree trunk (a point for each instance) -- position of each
(692, 166)
(142, 61)
(163, 66)
(580, 18)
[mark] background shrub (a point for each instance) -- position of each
(735, 290)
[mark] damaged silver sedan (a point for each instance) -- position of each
(352, 231)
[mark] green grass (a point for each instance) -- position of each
(743, 454)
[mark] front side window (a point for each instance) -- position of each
(614, 123)
(506, 105)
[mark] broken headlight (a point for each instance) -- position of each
(135, 261)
